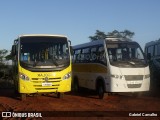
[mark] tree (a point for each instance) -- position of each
(2, 65)
(115, 33)
(122, 34)
(98, 36)
(2, 55)
(9, 57)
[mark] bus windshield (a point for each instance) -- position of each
(126, 55)
(44, 52)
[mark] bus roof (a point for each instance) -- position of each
(96, 42)
(118, 39)
(152, 43)
(99, 42)
(27, 35)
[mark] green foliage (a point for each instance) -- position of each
(3, 54)
(115, 33)
(9, 57)
(98, 35)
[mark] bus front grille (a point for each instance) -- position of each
(49, 85)
(133, 77)
(58, 78)
(134, 81)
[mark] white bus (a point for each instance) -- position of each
(110, 65)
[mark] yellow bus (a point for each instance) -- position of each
(41, 64)
(110, 65)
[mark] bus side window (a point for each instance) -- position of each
(86, 55)
(77, 55)
(73, 56)
(157, 50)
(101, 55)
(133, 53)
(151, 50)
(93, 57)
(112, 54)
(125, 53)
(149, 56)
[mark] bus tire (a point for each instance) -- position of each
(60, 95)
(100, 90)
(23, 96)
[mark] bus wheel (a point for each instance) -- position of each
(23, 96)
(60, 95)
(100, 90)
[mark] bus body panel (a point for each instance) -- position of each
(136, 80)
(87, 73)
(129, 79)
(54, 80)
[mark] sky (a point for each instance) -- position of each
(78, 19)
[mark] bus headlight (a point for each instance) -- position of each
(23, 77)
(146, 76)
(67, 76)
(117, 76)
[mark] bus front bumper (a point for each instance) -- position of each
(48, 87)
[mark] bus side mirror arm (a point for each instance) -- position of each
(71, 49)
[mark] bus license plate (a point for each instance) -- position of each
(46, 84)
(134, 82)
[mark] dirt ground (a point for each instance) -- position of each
(83, 105)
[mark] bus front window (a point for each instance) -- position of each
(126, 55)
(44, 52)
